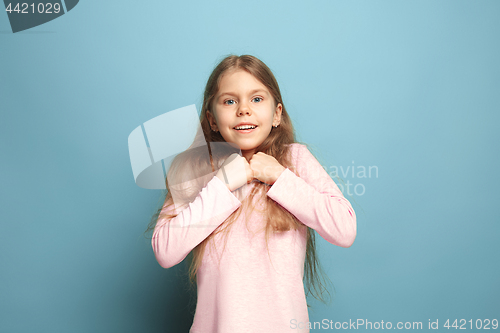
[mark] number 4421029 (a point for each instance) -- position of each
(463, 324)
(24, 8)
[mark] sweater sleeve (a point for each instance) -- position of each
(174, 238)
(315, 199)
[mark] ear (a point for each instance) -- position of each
(277, 114)
(211, 121)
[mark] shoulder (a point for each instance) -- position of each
(302, 158)
(305, 162)
(298, 151)
(296, 148)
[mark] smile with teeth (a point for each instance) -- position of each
(245, 127)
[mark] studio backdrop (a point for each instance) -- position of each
(398, 100)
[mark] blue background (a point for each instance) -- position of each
(411, 87)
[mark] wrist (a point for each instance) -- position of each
(278, 174)
(220, 175)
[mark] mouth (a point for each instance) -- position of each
(245, 128)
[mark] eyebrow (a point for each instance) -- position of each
(251, 92)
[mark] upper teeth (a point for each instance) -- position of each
(245, 127)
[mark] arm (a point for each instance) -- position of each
(315, 200)
(174, 238)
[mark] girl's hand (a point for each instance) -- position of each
(265, 168)
(235, 172)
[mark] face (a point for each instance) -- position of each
(244, 99)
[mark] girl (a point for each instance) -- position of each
(249, 222)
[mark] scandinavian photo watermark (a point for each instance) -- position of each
(356, 173)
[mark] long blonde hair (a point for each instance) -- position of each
(277, 144)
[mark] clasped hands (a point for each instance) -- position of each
(236, 171)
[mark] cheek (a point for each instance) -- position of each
(218, 117)
(270, 118)
(222, 121)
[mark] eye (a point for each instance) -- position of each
(229, 100)
(259, 99)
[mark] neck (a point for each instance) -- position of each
(248, 154)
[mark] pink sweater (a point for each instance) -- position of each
(252, 291)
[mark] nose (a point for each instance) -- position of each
(244, 109)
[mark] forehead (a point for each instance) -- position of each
(239, 81)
